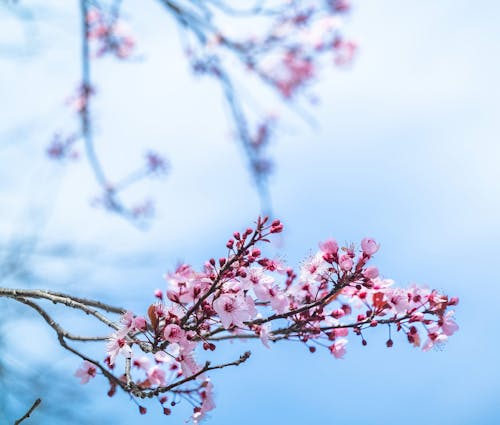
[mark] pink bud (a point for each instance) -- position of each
(337, 314)
(330, 246)
(369, 246)
(370, 272)
(345, 263)
(277, 229)
(140, 323)
(158, 294)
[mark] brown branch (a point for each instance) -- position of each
(62, 299)
(29, 412)
(39, 293)
(156, 391)
(62, 334)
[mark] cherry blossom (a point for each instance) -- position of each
(338, 348)
(232, 310)
(110, 34)
(336, 297)
(118, 346)
(86, 372)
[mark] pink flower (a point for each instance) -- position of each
(338, 348)
(370, 272)
(207, 402)
(232, 310)
(156, 376)
(345, 262)
(434, 339)
(86, 371)
(369, 246)
(133, 323)
(118, 345)
(189, 365)
(256, 276)
(142, 363)
(279, 302)
(449, 326)
(340, 332)
(263, 331)
(173, 333)
(314, 268)
(329, 246)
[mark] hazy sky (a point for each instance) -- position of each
(405, 149)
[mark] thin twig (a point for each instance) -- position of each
(29, 412)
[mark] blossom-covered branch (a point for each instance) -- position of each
(245, 294)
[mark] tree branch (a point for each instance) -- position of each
(29, 412)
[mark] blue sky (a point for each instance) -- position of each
(405, 150)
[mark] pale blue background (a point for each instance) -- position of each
(406, 149)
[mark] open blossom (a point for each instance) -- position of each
(232, 310)
(156, 376)
(256, 277)
(449, 326)
(86, 371)
(434, 339)
(274, 295)
(173, 333)
(118, 345)
(133, 323)
(264, 331)
(313, 268)
(338, 348)
(207, 403)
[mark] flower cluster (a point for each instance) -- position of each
(245, 294)
(80, 99)
(62, 147)
(110, 34)
(288, 54)
(295, 39)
